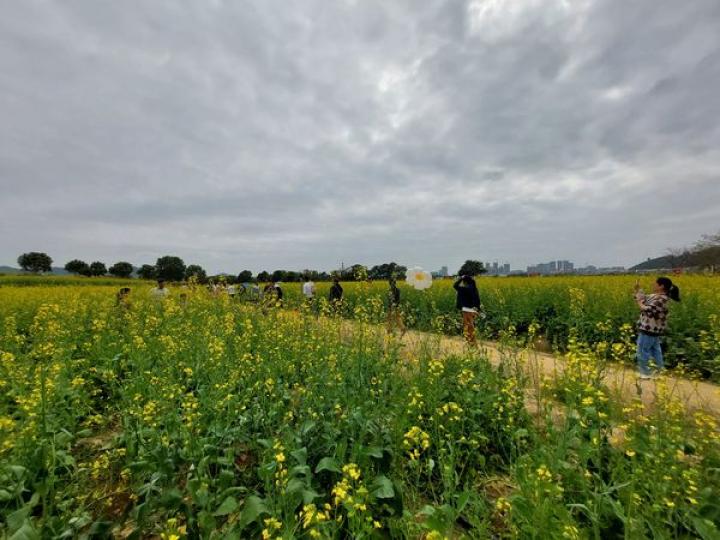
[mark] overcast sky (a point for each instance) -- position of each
(275, 134)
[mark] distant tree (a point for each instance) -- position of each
(359, 272)
(147, 271)
(386, 271)
(97, 268)
(76, 266)
(170, 268)
(472, 268)
(708, 241)
(707, 251)
(196, 271)
(263, 277)
(244, 276)
(278, 275)
(35, 262)
(120, 269)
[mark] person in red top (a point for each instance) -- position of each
(653, 322)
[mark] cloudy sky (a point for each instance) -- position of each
(277, 134)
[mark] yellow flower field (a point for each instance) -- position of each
(201, 417)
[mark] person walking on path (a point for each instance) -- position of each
(652, 323)
(468, 302)
(336, 295)
(394, 315)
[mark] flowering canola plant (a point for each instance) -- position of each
(208, 417)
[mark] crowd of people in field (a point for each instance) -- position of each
(651, 325)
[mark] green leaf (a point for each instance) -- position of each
(705, 528)
(254, 507)
(374, 451)
(63, 437)
(300, 470)
(300, 455)
(17, 470)
(5, 495)
(171, 498)
(228, 506)
(26, 532)
(307, 427)
(462, 501)
(295, 485)
(328, 464)
(383, 488)
(265, 443)
(206, 522)
(309, 495)
(235, 490)
(17, 518)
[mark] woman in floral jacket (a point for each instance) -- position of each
(653, 322)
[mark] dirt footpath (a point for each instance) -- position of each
(622, 381)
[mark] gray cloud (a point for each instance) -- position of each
(270, 134)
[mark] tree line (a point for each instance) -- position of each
(173, 268)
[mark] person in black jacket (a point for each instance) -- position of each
(468, 302)
(394, 315)
(336, 295)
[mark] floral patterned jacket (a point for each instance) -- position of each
(653, 313)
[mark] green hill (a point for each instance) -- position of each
(708, 256)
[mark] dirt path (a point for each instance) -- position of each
(622, 381)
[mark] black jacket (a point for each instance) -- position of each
(394, 296)
(336, 292)
(467, 296)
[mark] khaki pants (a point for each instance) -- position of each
(469, 326)
(395, 320)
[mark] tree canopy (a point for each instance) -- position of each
(147, 271)
(245, 276)
(472, 268)
(386, 271)
(170, 268)
(121, 269)
(76, 266)
(97, 268)
(196, 271)
(35, 262)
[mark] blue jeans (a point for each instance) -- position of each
(648, 347)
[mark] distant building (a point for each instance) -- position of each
(496, 269)
(552, 267)
(592, 270)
